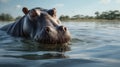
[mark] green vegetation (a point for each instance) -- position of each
(103, 16)
(106, 15)
(8, 17)
(110, 15)
(5, 17)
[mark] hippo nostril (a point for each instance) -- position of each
(65, 28)
(47, 29)
(62, 28)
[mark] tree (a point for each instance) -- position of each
(6, 17)
(117, 14)
(97, 14)
(109, 15)
(62, 17)
(76, 16)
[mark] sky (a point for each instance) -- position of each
(64, 7)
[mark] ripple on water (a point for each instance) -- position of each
(93, 44)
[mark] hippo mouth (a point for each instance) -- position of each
(51, 35)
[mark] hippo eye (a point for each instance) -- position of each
(34, 14)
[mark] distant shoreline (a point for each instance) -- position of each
(78, 20)
(6, 21)
(91, 20)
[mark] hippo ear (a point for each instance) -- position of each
(54, 8)
(52, 12)
(25, 10)
(55, 11)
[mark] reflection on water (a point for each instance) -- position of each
(29, 45)
(95, 44)
(39, 57)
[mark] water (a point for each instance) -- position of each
(94, 44)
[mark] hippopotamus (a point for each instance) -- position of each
(40, 25)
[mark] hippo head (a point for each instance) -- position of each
(43, 26)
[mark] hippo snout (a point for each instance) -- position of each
(53, 35)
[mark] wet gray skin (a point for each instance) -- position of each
(40, 25)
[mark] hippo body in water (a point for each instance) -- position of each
(40, 25)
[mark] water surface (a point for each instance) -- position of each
(93, 44)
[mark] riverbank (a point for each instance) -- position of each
(91, 20)
(6, 21)
(81, 20)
